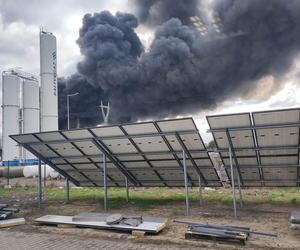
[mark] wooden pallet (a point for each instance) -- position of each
(196, 236)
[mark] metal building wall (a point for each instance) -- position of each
(48, 92)
(10, 115)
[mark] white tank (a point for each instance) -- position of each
(31, 110)
(48, 92)
(33, 171)
(10, 115)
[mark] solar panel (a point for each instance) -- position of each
(239, 139)
(147, 153)
(265, 145)
(285, 138)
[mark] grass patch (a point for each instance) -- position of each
(147, 198)
(6, 193)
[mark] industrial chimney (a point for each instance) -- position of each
(48, 91)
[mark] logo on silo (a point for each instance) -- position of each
(54, 73)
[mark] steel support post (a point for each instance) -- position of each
(40, 184)
(127, 191)
(187, 202)
(200, 191)
(232, 183)
(68, 189)
(240, 192)
(105, 182)
(45, 173)
(8, 173)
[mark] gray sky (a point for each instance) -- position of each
(20, 21)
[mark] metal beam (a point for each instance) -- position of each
(68, 190)
(200, 191)
(115, 160)
(232, 183)
(172, 152)
(104, 182)
(134, 154)
(45, 160)
(234, 156)
(144, 157)
(270, 166)
(261, 173)
(127, 190)
(175, 151)
(55, 152)
(72, 165)
(285, 125)
(137, 168)
(116, 137)
(183, 146)
(186, 185)
(40, 191)
(81, 151)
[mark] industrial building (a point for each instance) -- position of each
(27, 105)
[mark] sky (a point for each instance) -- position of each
(20, 22)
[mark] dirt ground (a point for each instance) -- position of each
(263, 217)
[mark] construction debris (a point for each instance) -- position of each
(115, 219)
(219, 232)
(295, 220)
(152, 225)
(6, 213)
(12, 222)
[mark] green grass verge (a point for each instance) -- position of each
(152, 197)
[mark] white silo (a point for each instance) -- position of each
(20, 114)
(48, 91)
(10, 115)
(31, 110)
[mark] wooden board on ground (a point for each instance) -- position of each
(12, 222)
(152, 225)
(196, 236)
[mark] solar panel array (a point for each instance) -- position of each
(148, 153)
(265, 146)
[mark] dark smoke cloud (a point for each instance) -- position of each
(155, 12)
(184, 71)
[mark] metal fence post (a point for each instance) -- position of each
(187, 202)
(200, 191)
(105, 182)
(232, 182)
(8, 173)
(127, 191)
(68, 189)
(240, 192)
(40, 184)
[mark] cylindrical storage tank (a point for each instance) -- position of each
(31, 111)
(10, 115)
(48, 94)
(33, 171)
(13, 172)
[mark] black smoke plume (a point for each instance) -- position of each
(184, 70)
(156, 12)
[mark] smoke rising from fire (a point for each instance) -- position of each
(187, 67)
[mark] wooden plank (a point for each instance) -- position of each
(139, 234)
(12, 222)
(196, 236)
